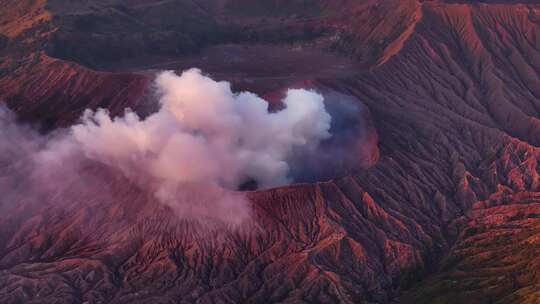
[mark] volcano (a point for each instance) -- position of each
(442, 204)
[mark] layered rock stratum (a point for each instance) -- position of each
(447, 211)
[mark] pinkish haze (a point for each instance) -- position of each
(202, 144)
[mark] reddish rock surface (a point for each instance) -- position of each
(448, 213)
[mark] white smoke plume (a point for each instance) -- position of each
(202, 144)
(204, 132)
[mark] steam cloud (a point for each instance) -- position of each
(205, 133)
(204, 142)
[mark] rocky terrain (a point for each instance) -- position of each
(445, 210)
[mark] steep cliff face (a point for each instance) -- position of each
(447, 212)
(54, 93)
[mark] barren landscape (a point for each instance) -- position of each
(432, 197)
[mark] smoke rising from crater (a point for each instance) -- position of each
(205, 133)
(204, 142)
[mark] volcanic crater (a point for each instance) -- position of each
(443, 207)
